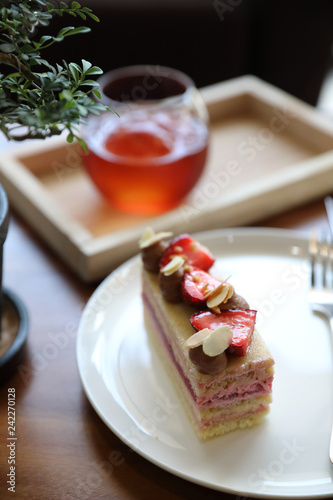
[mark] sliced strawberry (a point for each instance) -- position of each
(194, 253)
(196, 284)
(241, 321)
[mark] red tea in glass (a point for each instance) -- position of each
(147, 159)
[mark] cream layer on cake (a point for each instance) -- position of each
(238, 397)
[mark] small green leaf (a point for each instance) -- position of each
(90, 83)
(44, 39)
(77, 31)
(49, 6)
(7, 48)
(93, 17)
(63, 31)
(75, 71)
(80, 14)
(27, 48)
(94, 70)
(97, 94)
(66, 94)
(85, 65)
(76, 66)
(70, 137)
(82, 110)
(82, 144)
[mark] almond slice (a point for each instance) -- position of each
(218, 341)
(173, 265)
(197, 338)
(219, 295)
(150, 238)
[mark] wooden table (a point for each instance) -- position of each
(64, 450)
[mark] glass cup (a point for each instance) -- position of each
(147, 159)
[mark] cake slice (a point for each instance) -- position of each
(221, 367)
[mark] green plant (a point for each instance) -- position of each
(37, 99)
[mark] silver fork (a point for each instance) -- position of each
(321, 292)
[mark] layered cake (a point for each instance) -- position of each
(204, 333)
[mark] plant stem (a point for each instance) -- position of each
(21, 68)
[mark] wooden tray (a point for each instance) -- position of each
(269, 152)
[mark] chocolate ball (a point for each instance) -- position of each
(170, 286)
(209, 365)
(151, 256)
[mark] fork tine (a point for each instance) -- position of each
(313, 250)
(329, 210)
(329, 276)
(321, 260)
(323, 252)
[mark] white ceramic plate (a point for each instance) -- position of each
(287, 455)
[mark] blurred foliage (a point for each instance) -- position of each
(38, 100)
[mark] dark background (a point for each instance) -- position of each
(285, 42)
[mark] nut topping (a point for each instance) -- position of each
(218, 341)
(170, 279)
(221, 294)
(197, 338)
(207, 349)
(150, 238)
(152, 248)
(213, 342)
(176, 263)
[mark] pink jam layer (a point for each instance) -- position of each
(230, 395)
(220, 399)
(231, 416)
